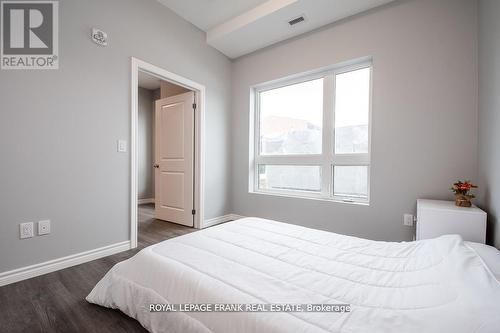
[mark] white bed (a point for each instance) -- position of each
(437, 285)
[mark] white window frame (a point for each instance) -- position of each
(327, 159)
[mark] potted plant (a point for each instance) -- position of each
(462, 196)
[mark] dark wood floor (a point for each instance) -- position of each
(55, 302)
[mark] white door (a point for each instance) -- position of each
(174, 151)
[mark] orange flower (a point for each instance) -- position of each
(463, 188)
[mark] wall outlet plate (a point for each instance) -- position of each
(26, 230)
(408, 220)
(43, 227)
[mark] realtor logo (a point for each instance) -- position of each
(29, 36)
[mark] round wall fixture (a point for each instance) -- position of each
(99, 37)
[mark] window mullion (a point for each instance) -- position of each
(289, 160)
(326, 172)
(351, 159)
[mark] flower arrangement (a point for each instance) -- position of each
(462, 196)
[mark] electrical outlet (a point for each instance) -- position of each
(408, 220)
(26, 230)
(43, 227)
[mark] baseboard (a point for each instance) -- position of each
(28, 272)
(145, 201)
(221, 219)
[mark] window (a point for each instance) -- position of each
(312, 135)
(291, 119)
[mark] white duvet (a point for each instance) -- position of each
(438, 285)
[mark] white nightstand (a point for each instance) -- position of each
(436, 218)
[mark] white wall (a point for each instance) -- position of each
(489, 115)
(424, 112)
(58, 128)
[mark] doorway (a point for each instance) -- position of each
(166, 146)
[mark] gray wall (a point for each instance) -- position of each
(424, 112)
(58, 128)
(145, 188)
(489, 115)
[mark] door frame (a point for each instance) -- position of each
(137, 66)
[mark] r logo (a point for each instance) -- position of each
(29, 28)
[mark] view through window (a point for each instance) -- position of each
(313, 137)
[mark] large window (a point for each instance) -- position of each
(312, 135)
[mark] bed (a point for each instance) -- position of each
(436, 285)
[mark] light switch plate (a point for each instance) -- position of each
(26, 230)
(122, 146)
(43, 227)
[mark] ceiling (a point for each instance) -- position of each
(148, 81)
(238, 27)
(206, 14)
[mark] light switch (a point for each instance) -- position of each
(122, 146)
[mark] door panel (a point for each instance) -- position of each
(172, 199)
(172, 119)
(174, 151)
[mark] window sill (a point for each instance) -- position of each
(291, 196)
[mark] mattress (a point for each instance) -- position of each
(435, 285)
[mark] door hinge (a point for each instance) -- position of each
(194, 106)
(193, 212)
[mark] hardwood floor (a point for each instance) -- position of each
(55, 302)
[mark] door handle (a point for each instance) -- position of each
(156, 166)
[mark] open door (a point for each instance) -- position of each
(174, 151)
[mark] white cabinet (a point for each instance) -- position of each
(436, 218)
